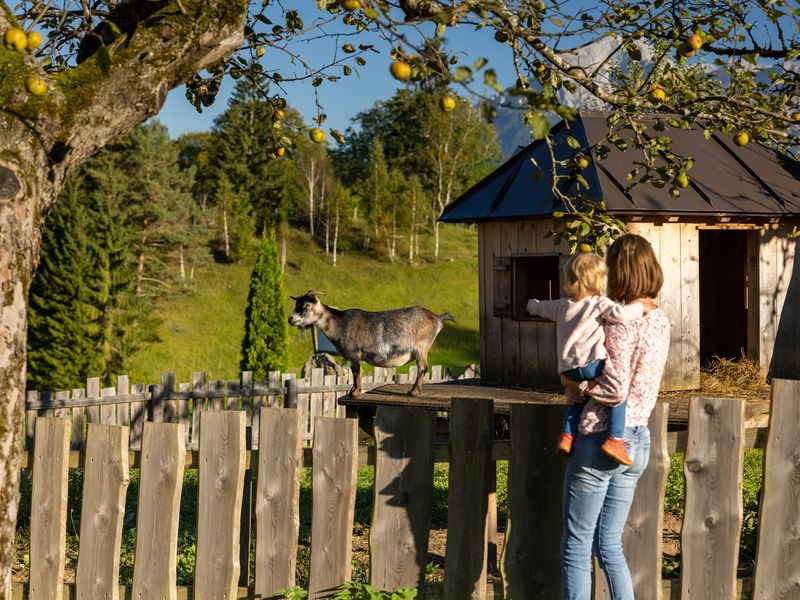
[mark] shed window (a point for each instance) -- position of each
(519, 278)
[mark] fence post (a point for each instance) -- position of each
(290, 399)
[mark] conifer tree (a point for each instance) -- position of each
(264, 347)
(60, 353)
(234, 226)
(162, 212)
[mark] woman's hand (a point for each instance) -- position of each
(570, 384)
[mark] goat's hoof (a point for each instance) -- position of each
(355, 393)
(414, 392)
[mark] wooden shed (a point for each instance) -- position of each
(730, 288)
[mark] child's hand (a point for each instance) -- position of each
(530, 306)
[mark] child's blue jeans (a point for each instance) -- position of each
(616, 414)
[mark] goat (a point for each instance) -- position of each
(382, 339)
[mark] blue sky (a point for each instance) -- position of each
(344, 99)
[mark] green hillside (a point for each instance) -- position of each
(203, 331)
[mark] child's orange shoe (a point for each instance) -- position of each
(615, 448)
(564, 443)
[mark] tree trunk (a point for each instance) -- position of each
(335, 237)
(225, 233)
(436, 240)
(60, 130)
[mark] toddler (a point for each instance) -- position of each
(580, 340)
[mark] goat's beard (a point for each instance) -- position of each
(302, 333)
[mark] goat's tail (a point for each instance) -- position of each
(445, 317)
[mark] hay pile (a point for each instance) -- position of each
(740, 378)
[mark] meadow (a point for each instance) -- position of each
(203, 329)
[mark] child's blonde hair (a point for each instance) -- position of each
(585, 275)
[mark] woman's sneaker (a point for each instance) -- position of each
(615, 448)
(564, 444)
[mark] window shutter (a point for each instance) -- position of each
(502, 286)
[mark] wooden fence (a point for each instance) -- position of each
(404, 455)
(168, 401)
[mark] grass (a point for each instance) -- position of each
(203, 330)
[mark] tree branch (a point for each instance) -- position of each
(161, 53)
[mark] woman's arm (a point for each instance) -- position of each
(612, 386)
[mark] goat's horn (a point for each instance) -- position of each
(295, 297)
(313, 293)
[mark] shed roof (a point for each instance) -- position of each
(750, 181)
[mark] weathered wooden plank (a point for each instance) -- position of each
(483, 295)
(545, 330)
(335, 453)
(275, 383)
(713, 512)
(168, 388)
(689, 327)
(48, 534)
(104, 486)
(768, 283)
(277, 504)
(163, 459)
(642, 540)
(341, 411)
(530, 561)
(777, 573)
(670, 301)
(123, 410)
(62, 413)
(250, 406)
(315, 399)
(329, 398)
(786, 354)
(198, 384)
(78, 422)
(93, 391)
(510, 326)
(491, 332)
(138, 417)
(30, 419)
(471, 430)
(530, 368)
(222, 467)
(108, 412)
(185, 413)
(217, 402)
(398, 538)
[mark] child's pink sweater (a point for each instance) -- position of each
(580, 338)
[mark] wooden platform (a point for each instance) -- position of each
(438, 396)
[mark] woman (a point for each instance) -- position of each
(598, 491)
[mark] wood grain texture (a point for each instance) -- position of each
(642, 540)
(277, 504)
(105, 484)
(689, 327)
(222, 467)
(335, 453)
(471, 431)
(491, 330)
(530, 561)
(48, 535)
(713, 511)
(510, 326)
(160, 484)
(777, 575)
(398, 537)
(785, 361)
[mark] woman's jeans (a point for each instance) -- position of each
(598, 492)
